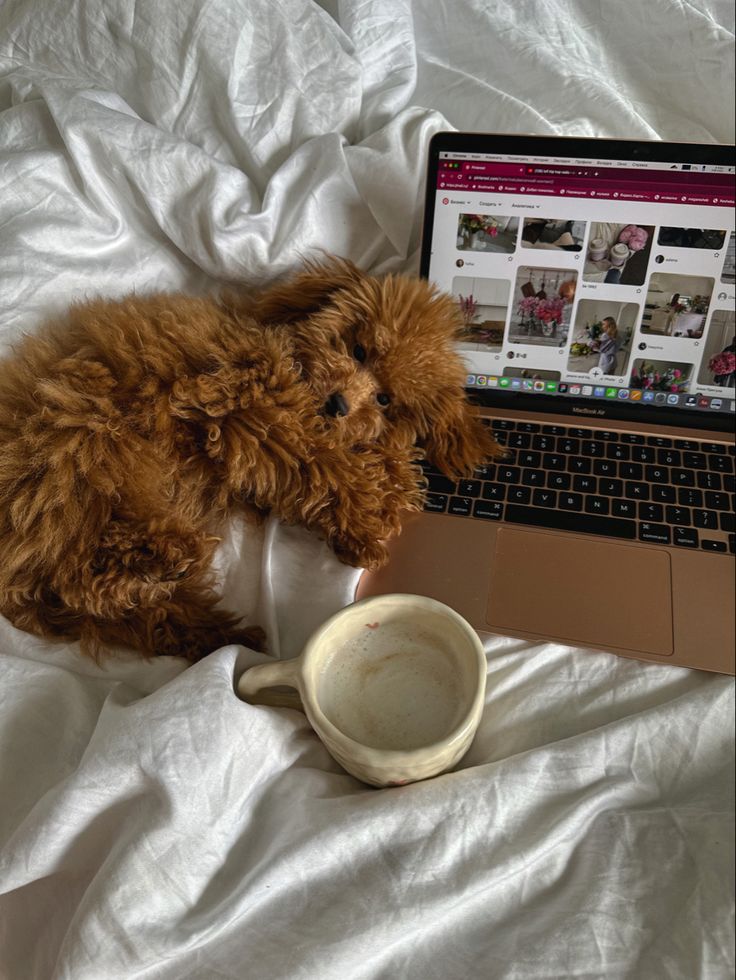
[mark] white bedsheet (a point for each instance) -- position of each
(151, 824)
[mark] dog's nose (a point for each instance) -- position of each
(336, 405)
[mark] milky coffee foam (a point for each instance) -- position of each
(394, 686)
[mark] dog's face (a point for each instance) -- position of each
(379, 358)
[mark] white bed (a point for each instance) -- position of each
(151, 824)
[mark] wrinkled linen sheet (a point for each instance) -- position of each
(151, 824)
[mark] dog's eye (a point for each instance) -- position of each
(383, 399)
(359, 353)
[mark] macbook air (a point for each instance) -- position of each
(595, 282)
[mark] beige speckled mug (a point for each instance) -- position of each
(394, 686)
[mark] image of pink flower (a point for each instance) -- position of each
(634, 236)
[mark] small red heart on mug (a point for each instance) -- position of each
(372, 626)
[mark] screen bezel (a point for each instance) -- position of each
(653, 151)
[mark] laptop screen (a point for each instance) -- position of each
(593, 276)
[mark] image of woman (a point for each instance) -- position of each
(607, 345)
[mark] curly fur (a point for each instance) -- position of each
(130, 430)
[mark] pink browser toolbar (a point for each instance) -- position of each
(604, 183)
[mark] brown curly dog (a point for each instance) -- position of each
(130, 430)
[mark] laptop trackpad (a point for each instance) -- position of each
(581, 591)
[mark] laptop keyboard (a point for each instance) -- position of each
(618, 484)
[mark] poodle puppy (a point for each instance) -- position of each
(131, 430)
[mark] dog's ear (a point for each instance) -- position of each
(458, 441)
(306, 292)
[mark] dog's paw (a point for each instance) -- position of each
(362, 554)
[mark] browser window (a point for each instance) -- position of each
(591, 279)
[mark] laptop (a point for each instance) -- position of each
(595, 280)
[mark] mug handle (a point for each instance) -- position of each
(255, 685)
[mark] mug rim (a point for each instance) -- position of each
(367, 754)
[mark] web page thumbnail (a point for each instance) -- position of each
(618, 253)
(487, 233)
(718, 367)
(541, 306)
(601, 337)
(677, 306)
(483, 306)
(553, 234)
(661, 376)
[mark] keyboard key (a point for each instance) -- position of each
(711, 545)
(553, 461)
(545, 444)
(568, 446)
(527, 427)
(469, 488)
(571, 501)
(544, 498)
(605, 467)
(651, 512)
(610, 488)
(687, 444)
(494, 491)
(564, 520)
(713, 447)
(436, 503)
(597, 505)
(709, 481)
(502, 424)
(682, 478)
(631, 471)
(729, 484)
(554, 430)
(695, 461)
(529, 458)
(717, 501)
(559, 481)
(508, 474)
(658, 533)
(623, 508)
(579, 464)
(519, 495)
(685, 537)
(632, 438)
(643, 454)
(440, 484)
(585, 484)
(608, 436)
(519, 440)
(461, 506)
(486, 471)
(721, 464)
(663, 495)
(533, 478)
(669, 457)
(636, 491)
(617, 450)
(727, 522)
(690, 498)
(661, 441)
(491, 510)
(679, 515)
(580, 433)
(705, 519)
(657, 474)
(593, 448)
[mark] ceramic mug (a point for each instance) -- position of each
(619, 254)
(598, 249)
(393, 685)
